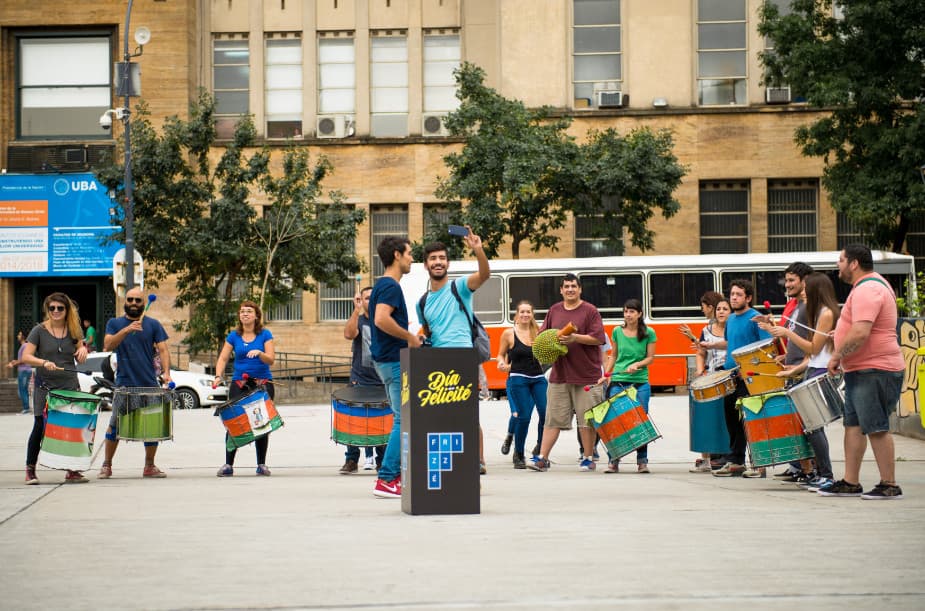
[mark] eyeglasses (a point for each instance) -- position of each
(133, 300)
(57, 308)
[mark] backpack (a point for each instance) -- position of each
(480, 340)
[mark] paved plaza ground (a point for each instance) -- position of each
(309, 538)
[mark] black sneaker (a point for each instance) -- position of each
(796, 478)
(883, 492)
(841, 488)
(789, 472)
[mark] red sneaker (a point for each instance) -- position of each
(105, 471)
(153, 471)
(388, 490)
(75, 477)
(31, 479)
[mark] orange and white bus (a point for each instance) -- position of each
(669, 286)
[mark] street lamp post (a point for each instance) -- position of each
(127, 125)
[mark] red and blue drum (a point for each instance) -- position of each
(773, 429)
(248, 418)
(361, 416)
(69, 430)
(622, 424)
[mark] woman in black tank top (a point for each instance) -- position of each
(526, 384)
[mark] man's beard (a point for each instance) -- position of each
(132, 311)
(437, 275)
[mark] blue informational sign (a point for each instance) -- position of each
(54, 225)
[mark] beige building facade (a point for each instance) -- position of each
(365, 83)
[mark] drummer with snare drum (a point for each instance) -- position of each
(254, 353)
(362, 373)
(134, 338)
(741, 331)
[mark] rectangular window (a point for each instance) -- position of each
(487, 301)
(848, 232)
(230, 83)
(283, 85)
(915, 242)
(723, 217)
(65, 84)
(384, 221)
(721, 52)
(436, 218)
(769, 286)
(591, 232)
(677, 294)
(441, 57)
(597, 58)
(389, 87)
(336, 302)
(336, 75)
(610, 291)
(792, 215)
(541, 291)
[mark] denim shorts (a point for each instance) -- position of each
(871, 396)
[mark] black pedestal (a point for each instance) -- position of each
(439, 431)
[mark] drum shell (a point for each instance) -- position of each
(819, 401)
(714, 385)
(70, 430)
(759, 358)
(775, 433)
(248, 418)
(144, 414)
(625, 427)
(361, 416)
(708, 432)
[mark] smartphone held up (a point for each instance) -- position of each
(458, 230)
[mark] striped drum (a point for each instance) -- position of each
(622, 423)
(774, 429)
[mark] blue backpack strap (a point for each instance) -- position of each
(462, 306)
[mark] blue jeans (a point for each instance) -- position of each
(391, 377)
(22, 381)
(643, 394)
(523, 394)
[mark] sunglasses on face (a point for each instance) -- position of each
(133, 300)
(57, 308)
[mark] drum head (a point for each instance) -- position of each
(361, 395)
(752, 347)
(709, 379)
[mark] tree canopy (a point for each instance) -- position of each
(866, 69)
(520, 175)
(198, 222)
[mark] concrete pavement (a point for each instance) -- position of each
(308, 538)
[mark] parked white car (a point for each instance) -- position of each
(193, 389)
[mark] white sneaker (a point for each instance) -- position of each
(370, 463)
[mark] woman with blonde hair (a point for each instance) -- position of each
(526, 384)
(51, 349)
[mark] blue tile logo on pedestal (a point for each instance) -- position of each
(440, 450)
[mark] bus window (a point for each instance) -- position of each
(541, 291)
(608, 292)
(769, 286)
(487, 301)
(677, 294)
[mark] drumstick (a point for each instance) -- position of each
(758, 373)
(767, 305)
(151, 299)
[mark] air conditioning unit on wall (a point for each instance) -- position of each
(611, 99)
(432, 125)
(334, 126)
(777, 95)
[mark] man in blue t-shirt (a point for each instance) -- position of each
(741, 330)
(390, 335)
(445, 324)
(358, 330)
(134, 338)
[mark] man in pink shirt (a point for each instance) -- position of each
(867, 350)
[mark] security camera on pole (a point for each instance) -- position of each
(128, 85)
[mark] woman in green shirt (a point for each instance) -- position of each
(633, 352)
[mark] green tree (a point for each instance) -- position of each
(520, 175)
(197, 222)
(867, 71)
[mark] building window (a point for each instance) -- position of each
(336, 75)
(283, 85)
(792, 215)
(441, 58)
(385, 220)
(596, 50)
(591, 232)
(915, 242)
(336, 302)
(65, 84)
(389, 86)
(721, 52)
(230, 83)
(849, 232)
(723, 217)
(436, 218)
